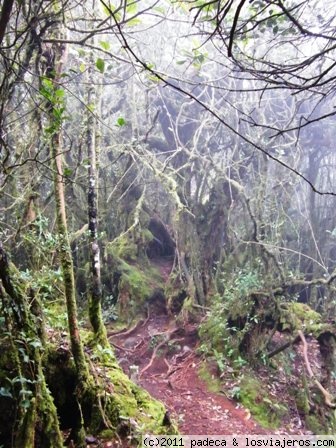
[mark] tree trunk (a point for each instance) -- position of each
(55, 110)
(66, 260)
(95, 312)
(37, 421)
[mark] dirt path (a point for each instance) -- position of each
(163, 359)
(168, 368)
(171, 375)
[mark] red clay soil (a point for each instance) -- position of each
(171, 375)
(166, 364)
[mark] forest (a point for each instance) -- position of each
(167, 233)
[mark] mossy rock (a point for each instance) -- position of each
(264, 408)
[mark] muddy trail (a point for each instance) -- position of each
(163, 359)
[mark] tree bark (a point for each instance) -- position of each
(55, 110)
(5, 16)
(39, 419)
(95, 311)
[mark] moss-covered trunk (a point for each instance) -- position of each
(95, 312)
(35, 413)
(56, 109)
(66, 261)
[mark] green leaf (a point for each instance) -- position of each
(59, 93)
(67, 172)
(181, 62)
(47, 83)
(133, 22)
(121, 121)
(100, 64)
(110, 9)
(105, 45)
(36, 344)
(132, 7)
(150, 65)
(159, 9)
(82, 67)
(5, 392)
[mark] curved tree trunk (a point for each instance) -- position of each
(55, 110)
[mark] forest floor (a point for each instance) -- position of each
(169, 370)
(163, 359)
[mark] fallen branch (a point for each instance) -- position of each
(205, 308)
(327, 396)
(283, 347)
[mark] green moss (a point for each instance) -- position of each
(112, 401)
(319, 418)
(266, 411)
(314, 425)
(135, 281)
(252, 394)
(128, 401)
(301, 400)
(295, 316)
(299, 316)
(106, 434)
(124, 248)
(138, 282)
(212, 382)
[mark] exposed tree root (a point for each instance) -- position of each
(125, 331)
(167, 337)
(156, 349)
(119, 347)
(325, 393)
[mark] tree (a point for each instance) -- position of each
(209, 151)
